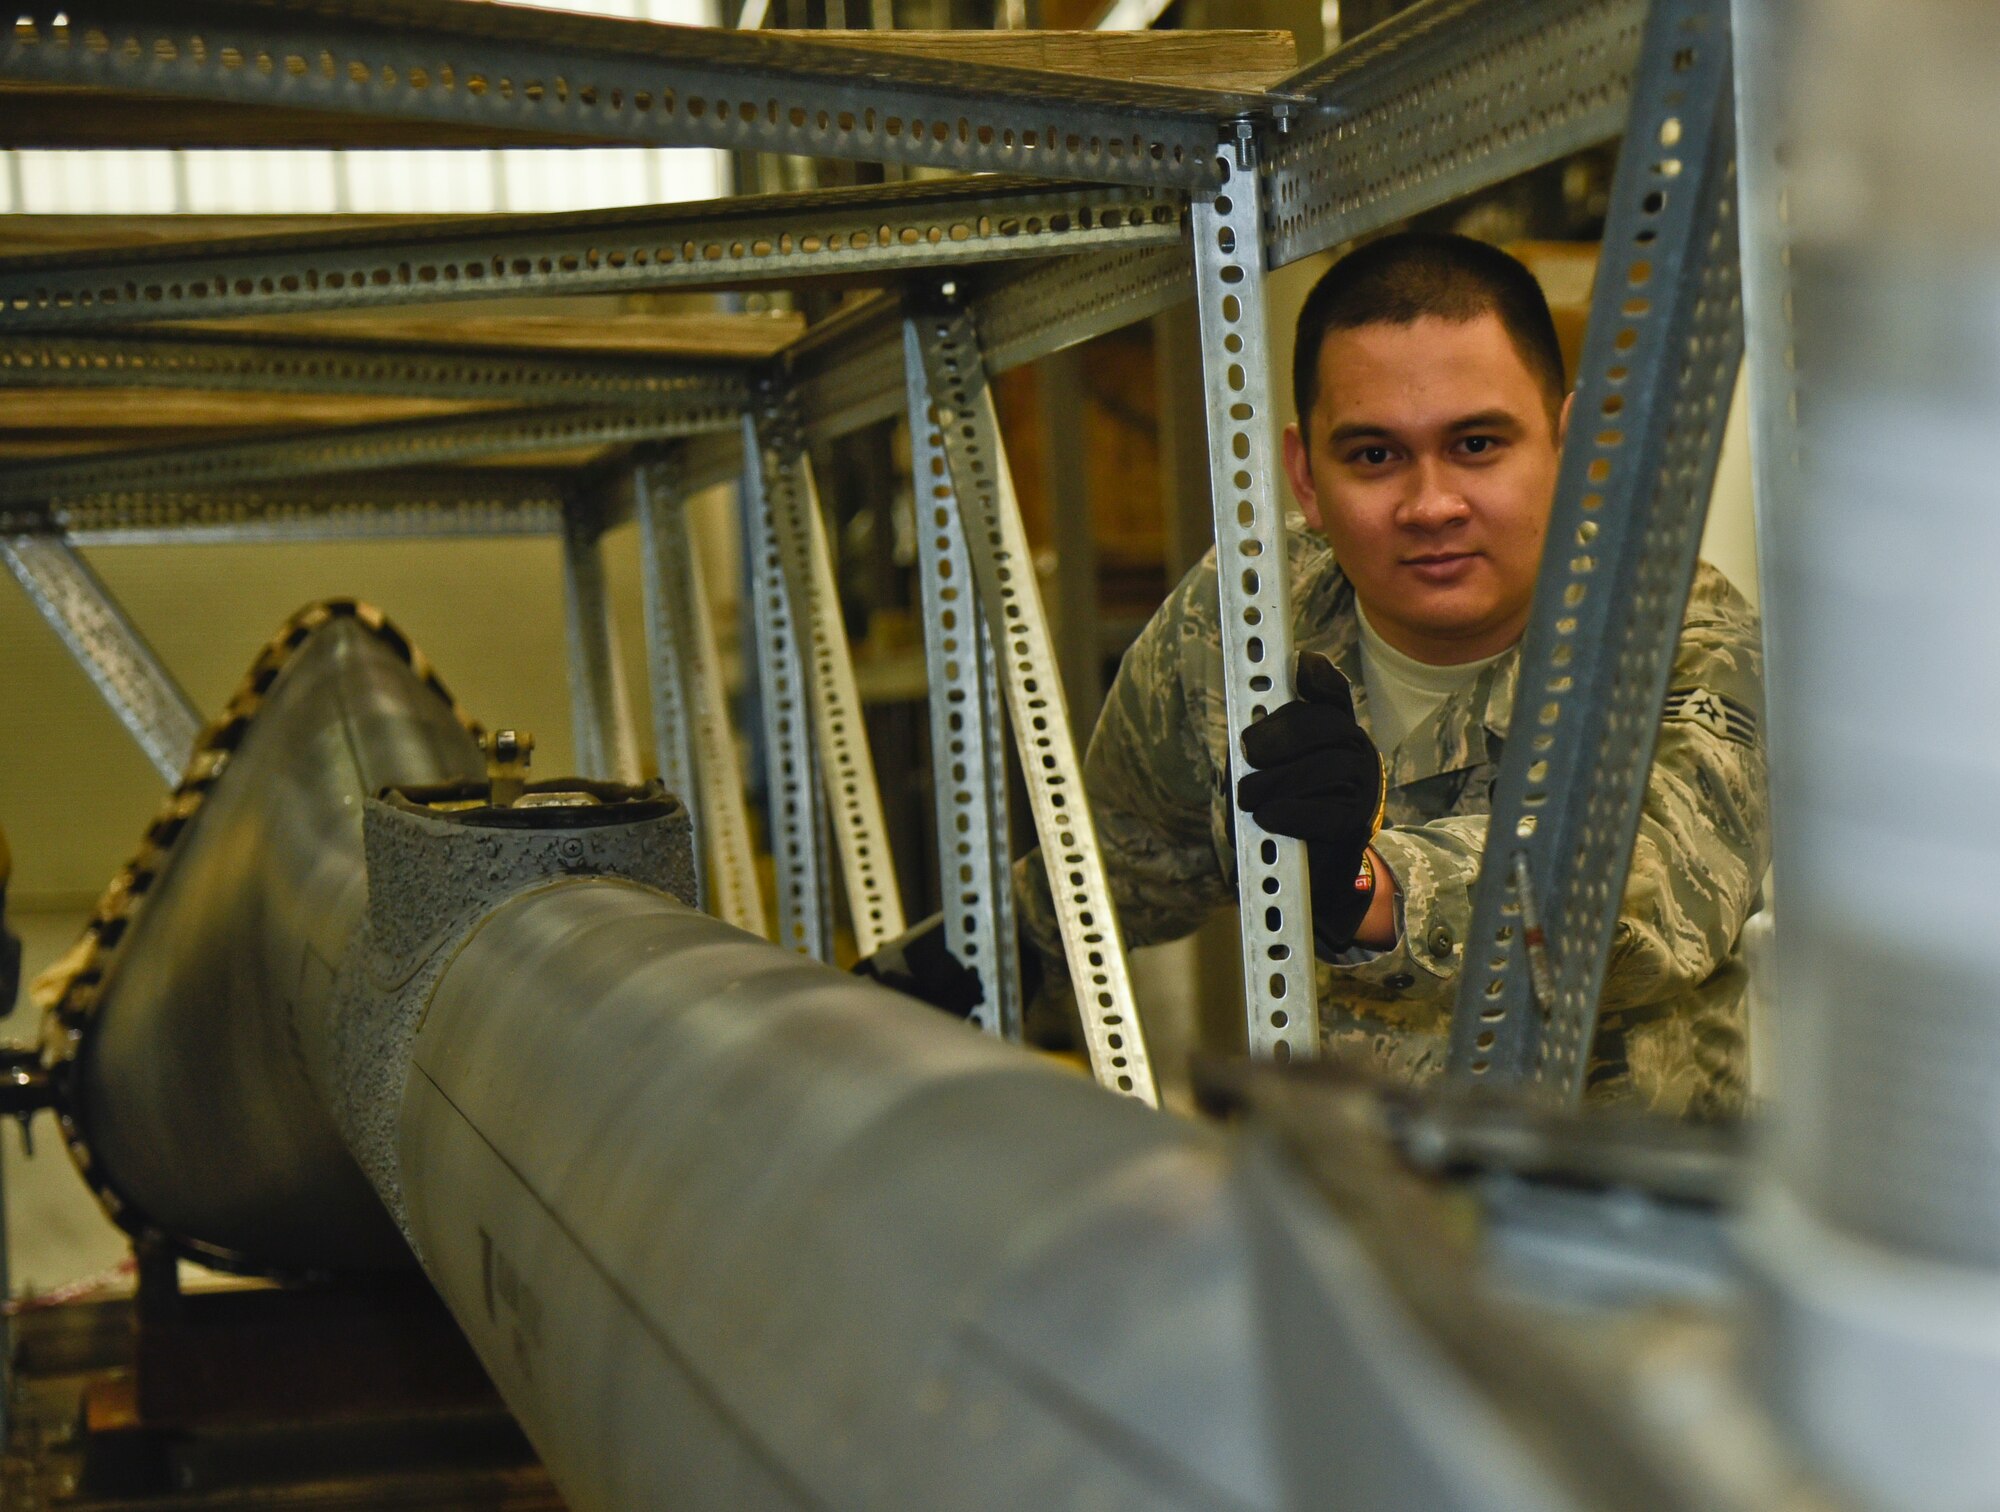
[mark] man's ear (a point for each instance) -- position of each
(1298, 472)
(1562, 418)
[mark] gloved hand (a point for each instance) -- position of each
(919, 963)
(1319, 779)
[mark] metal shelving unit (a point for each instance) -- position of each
(1099, 202)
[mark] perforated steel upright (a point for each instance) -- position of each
(796, 830)
(955, 387)
(1660, 357)
(607, 744)
(108, 646)
(840, 731)
(968, 759)
(691, 705)
(1253, 580)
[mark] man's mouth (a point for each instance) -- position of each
(1441, 566)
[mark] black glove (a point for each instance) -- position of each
(1320, 779)
(917, 962)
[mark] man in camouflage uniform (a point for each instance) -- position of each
(1448, 555)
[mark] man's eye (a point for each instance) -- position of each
(1477, 445)
(1371, 456)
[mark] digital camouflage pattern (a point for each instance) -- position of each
(1671, 1033)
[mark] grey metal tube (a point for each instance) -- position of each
(734, 1230)
(198, 1110)
(1872, 270)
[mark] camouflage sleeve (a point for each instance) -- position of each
(1703, 843)
(1150, 782)
(1704, 839)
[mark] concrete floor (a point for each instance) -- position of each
(56, 1234)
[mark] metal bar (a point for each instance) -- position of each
(697, 749)
(358, 448)
(876, 230)
(108, 646)
(1659, 360)
(861, 833)
(1004, 571)
(1788, 523)
(607, 745)
(797, 831)
(726, 861)
(1448, 97)
(968, 761)
(369, 506)
(1280, 994)
(664, 572)
(142, 359)
(622, 81)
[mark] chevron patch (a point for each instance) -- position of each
(1714, 712)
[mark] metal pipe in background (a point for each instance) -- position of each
(1872, 219)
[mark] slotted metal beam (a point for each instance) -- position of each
(664, 573)
(795, 809)
(109, 648)
(607, 742)
(695, 746)
(1004, 570)
(635, 82)
(369, 506)
(860, 831)
(140, 359)
(1659, 361)
(968, 759)
(1448, 97)
(878, 230)
(359, 448)
(1280, 993)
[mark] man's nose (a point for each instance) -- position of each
(1435, 499)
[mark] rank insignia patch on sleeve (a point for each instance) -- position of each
(1723, 716)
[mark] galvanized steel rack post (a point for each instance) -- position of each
(968, 758)
(1253, 586)
(1107, 181)
(1660, 356)
(949, 391)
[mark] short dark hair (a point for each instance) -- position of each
(1400, 279)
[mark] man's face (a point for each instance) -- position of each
(1429, 461)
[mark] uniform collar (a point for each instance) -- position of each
(1464, 731)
